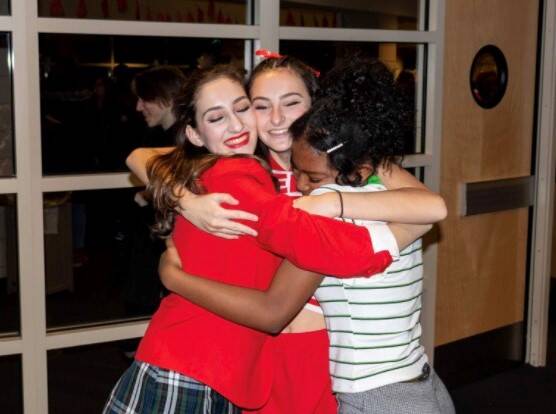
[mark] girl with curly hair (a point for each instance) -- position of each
(377, 363)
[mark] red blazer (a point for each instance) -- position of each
(234, 360)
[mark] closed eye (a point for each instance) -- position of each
(244, 109)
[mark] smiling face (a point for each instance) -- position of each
(225, 121)
(279, 97)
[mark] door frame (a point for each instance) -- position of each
(541, 242)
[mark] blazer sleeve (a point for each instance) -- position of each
(311, 242)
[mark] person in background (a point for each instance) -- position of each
(156, 89)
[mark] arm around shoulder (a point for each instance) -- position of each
(137, 160)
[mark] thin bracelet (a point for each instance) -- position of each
(341, 199)
(341, 203)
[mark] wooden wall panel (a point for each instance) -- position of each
(481, 259)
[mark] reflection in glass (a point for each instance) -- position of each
(11, 400)
(4, 7)
(489, 76)
(6, 121)
(190, 11)
(401, 58)
(101, 262)
(84, 376)
(88, 108)
(388, 15)
(9, 282)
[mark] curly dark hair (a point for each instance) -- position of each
(361, 113)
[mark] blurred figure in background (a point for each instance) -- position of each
(156, 90)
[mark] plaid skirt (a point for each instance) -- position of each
(147, 389)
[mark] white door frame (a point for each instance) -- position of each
(543, 211)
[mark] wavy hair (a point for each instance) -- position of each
(182, 167)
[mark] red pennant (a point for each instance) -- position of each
(211, 11)
(57, 9)
(122, 6)
(228, 20)
(81, 9)
(220, 18)
(137, 10)
(315, 22)
(200, 15)
(290, 21)
(104, 8)
(268, 54)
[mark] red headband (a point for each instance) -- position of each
(267, 54)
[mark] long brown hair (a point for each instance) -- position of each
(182, 167)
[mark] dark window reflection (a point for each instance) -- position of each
(89, 117)
(10, 381)
(401, 59)
(190, 11)
(388, 15)
(84, 376)
(489, 76)
(9, 283)
(6, 121)
(4, 7)
(101, 262)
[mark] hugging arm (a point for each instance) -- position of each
(406, 201)
(203, 211)
(268, 311)
(137, 160)
(315, 243)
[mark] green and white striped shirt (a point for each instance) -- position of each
(373, 323)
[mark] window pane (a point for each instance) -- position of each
(6, 121)
(84, 376)
(11, 400)
(9, 281)
(4, 7)
(89, 117)
(376, 14)
(99, 251)
(403, 59)
(191, 11)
